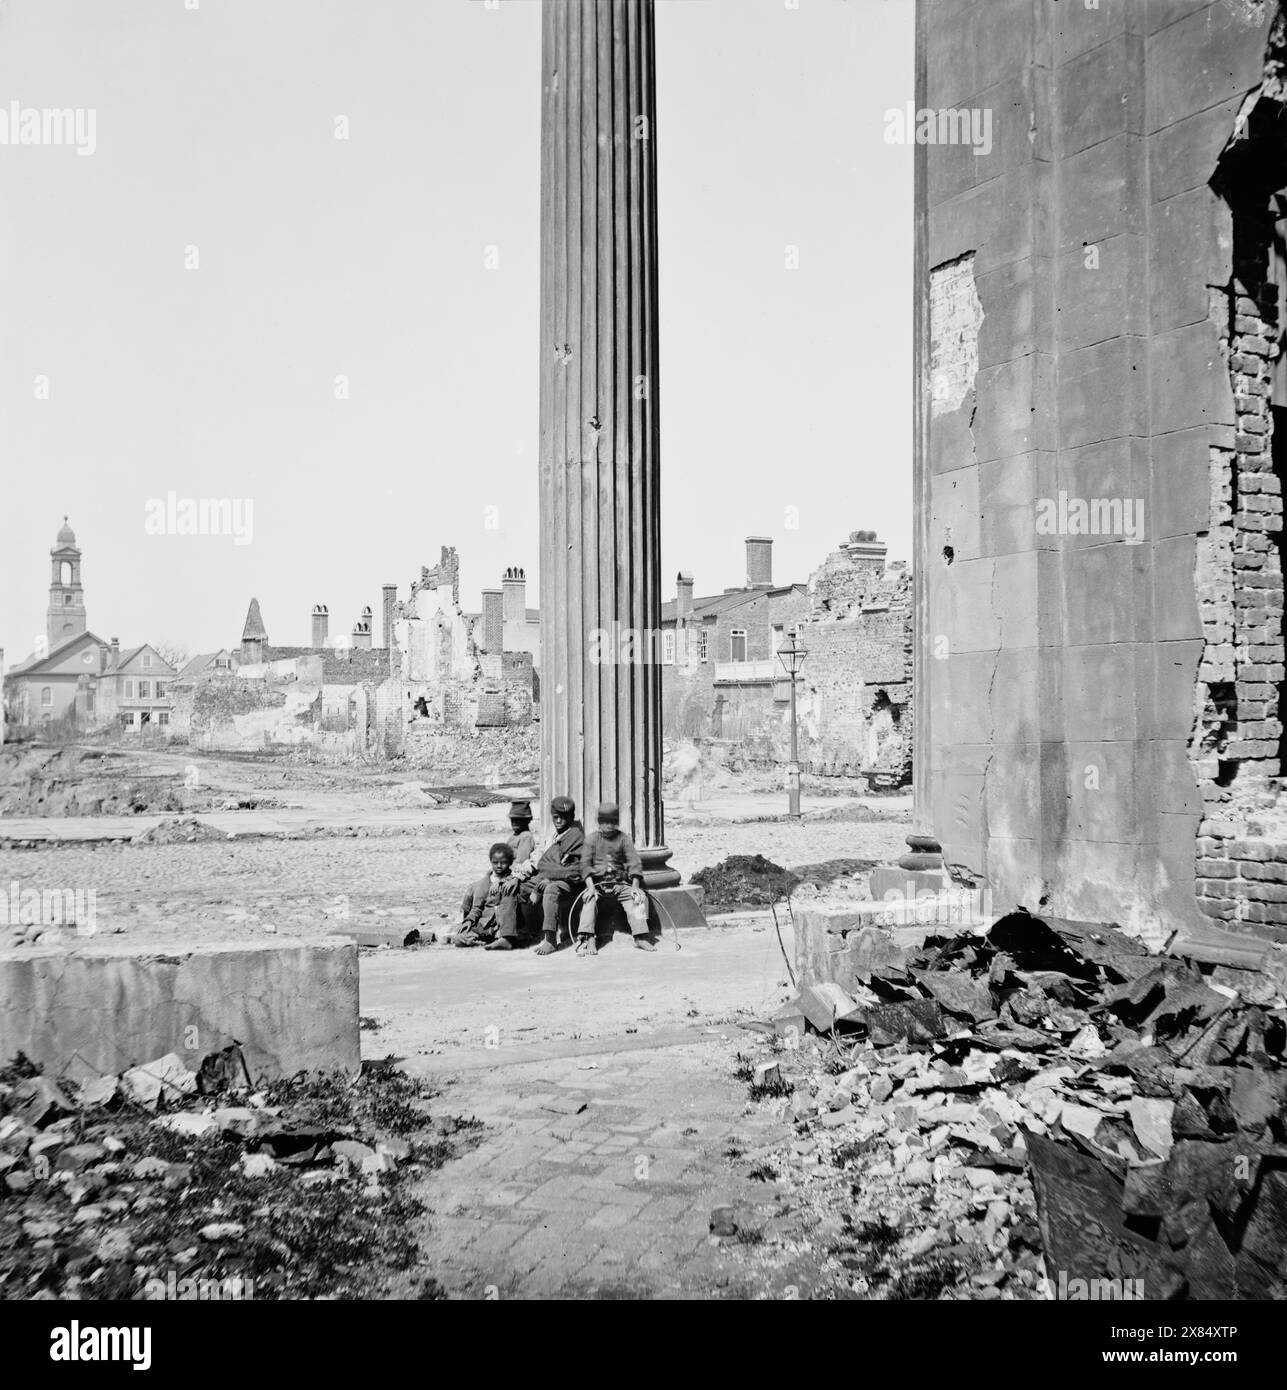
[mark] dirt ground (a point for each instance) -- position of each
(344, 869)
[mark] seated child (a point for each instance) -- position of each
(551, 877)
(520, 840)
(492, 916)
(611, 867)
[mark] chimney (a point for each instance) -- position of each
(321, 621)
(115, 659)
(683, 596)
(362, 631)
(759, 562)
(390, 592)
(865, 551)
(514, 591)
(493, 622)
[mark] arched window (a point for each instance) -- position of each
(46, 695)
(65, 572)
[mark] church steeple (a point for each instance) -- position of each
(66, 615)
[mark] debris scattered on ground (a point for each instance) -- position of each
(1022, 1113)
(181, 830)
(114, 1190)
(744, 881)
(45, 780)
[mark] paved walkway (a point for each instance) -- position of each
(597, 1176)
(613, 1120)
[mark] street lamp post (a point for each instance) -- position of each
(792, 656)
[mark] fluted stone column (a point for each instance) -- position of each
(921, 868)
(600, 507)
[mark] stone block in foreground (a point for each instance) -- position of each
(827, 934)
(94, 1009)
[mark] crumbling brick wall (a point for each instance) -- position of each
(856, 683)
(1237, 743)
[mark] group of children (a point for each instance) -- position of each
(534, 887)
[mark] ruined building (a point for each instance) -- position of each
(722, 679)
(429, 681)
(1099, 458)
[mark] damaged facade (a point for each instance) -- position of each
(723, 681)
(1098, 472)
(428, 681)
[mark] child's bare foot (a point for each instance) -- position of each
(587, 946)
(546, 948)
(642, 943)
(502, 943)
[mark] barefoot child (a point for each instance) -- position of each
(492, 917)
(611, 867)
(551, 877)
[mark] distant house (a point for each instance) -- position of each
(206, 665)
(136, 690)
(723, 647)
(74, 676)
(59, 685)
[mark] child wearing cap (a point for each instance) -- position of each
(521, 840)
(611, 867)
(551, 877)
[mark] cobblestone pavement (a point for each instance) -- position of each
(597, 1176)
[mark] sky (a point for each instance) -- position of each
(220, 298)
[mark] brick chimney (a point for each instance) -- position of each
(321, 622)
(493, 621)
(683, 596)
(514, 591)
(759, 562)
(390, 593)
(115, 659)
(864, 550)
(362, 631)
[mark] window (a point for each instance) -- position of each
(668, 647)
(46, 695)
(703, 645)
(777, 638)
(65, 574)
(67, 600)
(147, 660)
(737, 644)
(129, 690)
(160, 690)
(163, 718)
(127, 721)
(145, 690)
(90, 697)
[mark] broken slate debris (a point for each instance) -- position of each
(1043, 1098)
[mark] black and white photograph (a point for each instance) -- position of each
(643, 661)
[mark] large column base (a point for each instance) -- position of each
(657, 871)
(669, 908)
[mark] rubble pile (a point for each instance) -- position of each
(1045, 1110)
(749, 881)
(163, 1182)
(38, 780)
